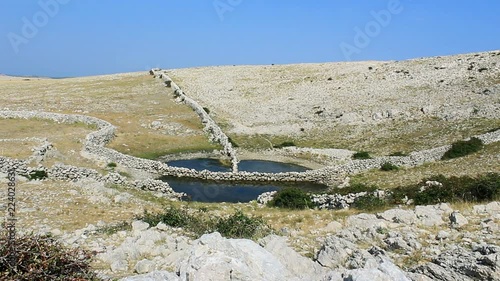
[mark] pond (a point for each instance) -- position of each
(211, 191)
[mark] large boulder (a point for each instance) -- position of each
(459, 264)
(376, 268)
(213, 257)
(298, 265)
(398, 216)
(432, 215)
(338, 253)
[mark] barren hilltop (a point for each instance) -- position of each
(409, 150)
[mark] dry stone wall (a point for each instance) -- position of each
(210, 126)
(95, 142)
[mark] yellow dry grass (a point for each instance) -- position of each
(129, 101)
(484, 161)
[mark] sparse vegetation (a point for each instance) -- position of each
(45, 259)
(463, 148)
(284, 144)
(114, 228)
(361, 155)
(451, 189)
(291, 198)
(398, 153)
(38, 175)
(388, 167)
(111, 165)
(369, 202)
(235, 145)
(237, 225)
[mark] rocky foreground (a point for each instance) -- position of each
(432, 242)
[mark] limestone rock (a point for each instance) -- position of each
(458, 220)
(213, 257)
(365, 221)
(483, 263)
(431, 215)
(153, 276)
(300, 266)
(119, 265)
(398, 216)
(144, 266)
(139, 226)
(336, 252)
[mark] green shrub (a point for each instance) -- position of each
(43, 258)
(361, 155)
(291, 198)
(111, 165)
(389, 167)
(433, 195)
(452, 189)
(369, 202)
(206, 110)
(486, 188)
(174, 217)
(239, 225)
(38, 175)
(463, 148)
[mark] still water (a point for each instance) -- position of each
(211, 191)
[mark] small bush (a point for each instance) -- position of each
(43, 258)
(239, 225)
(174, 217)
(463, 148)
(38, 175)
(361, 155)
(486, 188)
(111, 165)
(291, 198)
(206, 110)
(368, 203)
(452, 189)
(389, 167)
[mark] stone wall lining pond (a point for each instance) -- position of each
(95, 148)
(210, 126)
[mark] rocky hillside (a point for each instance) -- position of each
(407, 113)
(424, 243)
(282, 99)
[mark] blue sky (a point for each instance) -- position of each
(62, 38)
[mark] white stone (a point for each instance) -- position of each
(139, 226)
(458, 220)
(144, 266)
